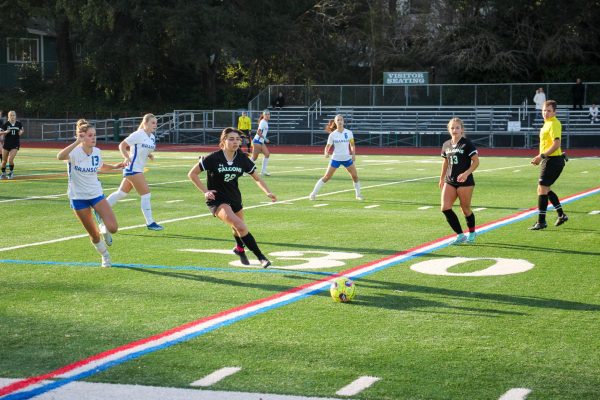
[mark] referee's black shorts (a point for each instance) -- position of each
(550, 170)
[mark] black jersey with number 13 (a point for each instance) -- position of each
(459, 160)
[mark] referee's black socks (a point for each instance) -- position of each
(556, 203)
(542, 207)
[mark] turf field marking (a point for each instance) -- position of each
(372, 206)
(173, 201)
(425, 208)
(215, 377)
(321, 205)
(516, 394)
(585, 172)
(102, 361)
(360, 384)
(595, 212)
(503, 266)
(480, 209)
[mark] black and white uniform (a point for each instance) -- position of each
(222, 176)
(459, 160)
(12, 139)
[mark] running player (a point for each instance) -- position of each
(222, 195)
(259, 143)
(12, 131)
(141, 144)
(456, 179)
(245, 126)
(85, 190)
(344, 154)
(552, 163)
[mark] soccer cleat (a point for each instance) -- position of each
(264, 262)
(359, 198)
(106, 263)
(3, 176)
(106, 235)
(265, 173)
(471, 237)
(242, 254)
(461, 238)
(155, 227)
(561, 220)
(538, 226)
(312, 197)
(10, 175)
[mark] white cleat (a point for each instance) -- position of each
(106, 235)
(106, 263)
(360, 198)
(312, 197)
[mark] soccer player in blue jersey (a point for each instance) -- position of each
(456, 179)
(84, 190)
(344, 155)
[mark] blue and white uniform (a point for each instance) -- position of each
(141, 146)
(263, 126)
(341, 147)
(84, 189)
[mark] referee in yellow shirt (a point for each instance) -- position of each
(245, 126)
(552, 163)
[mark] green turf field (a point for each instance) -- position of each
(453, 336)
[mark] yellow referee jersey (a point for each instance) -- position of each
(551, 130)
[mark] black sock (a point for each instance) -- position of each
(250, 242)
(542, 207)
(240, 243)
(471, 222)
(453, 221)
(3, 169)
(556, 203)
(11, 167)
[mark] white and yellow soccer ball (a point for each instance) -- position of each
(342, 290)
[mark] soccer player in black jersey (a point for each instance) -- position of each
(223, 197)
(456, 179)
(12, 131)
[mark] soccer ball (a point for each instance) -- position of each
(342, 290)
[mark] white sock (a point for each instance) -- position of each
(100, 247)
(318, 186)
(147, 208)
(116, 196)
(357, 188)
(264, 164)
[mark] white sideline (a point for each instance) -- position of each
(215, 377)
(110, 391)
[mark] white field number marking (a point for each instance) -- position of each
(215, 377)
(357, 386)
(502, 266)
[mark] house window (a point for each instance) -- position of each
(21, 50)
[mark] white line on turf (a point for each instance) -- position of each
(110, 391)
(480, 209)
(215, 377)
(372, 206)
(515, 394)
(425, 208)
(357, 386)
(321, 205)
(247, 208)
(595, 212)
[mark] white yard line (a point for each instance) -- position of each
(215, 377)
(516, 394)
(360, 384)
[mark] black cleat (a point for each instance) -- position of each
(538, 226)
(264, 262)
(243, 257)
(561, 220)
